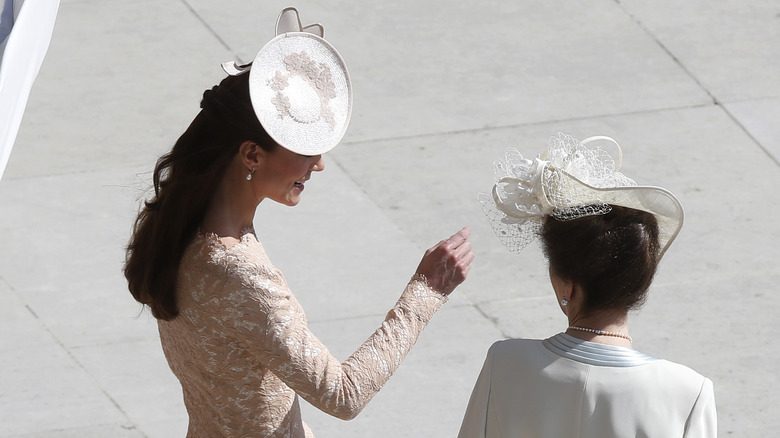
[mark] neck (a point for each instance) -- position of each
(608, 321)
(232, 208)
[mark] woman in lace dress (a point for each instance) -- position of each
(232, 331)
(603, 237)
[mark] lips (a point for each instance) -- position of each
(300, 184)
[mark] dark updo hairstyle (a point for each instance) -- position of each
(185, 180)
(612, 257)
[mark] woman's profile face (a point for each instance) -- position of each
(282, 175)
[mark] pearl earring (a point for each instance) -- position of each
(249, 175)
(564, 302)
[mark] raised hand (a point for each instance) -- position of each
(446, 264)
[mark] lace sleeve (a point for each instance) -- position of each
(270, 323)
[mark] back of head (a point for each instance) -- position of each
(185, 180)
(612, 257)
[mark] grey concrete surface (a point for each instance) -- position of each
(689, 89)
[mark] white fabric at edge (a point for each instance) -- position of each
(19, 65)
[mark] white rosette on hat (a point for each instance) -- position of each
(569, 181)
(300, 87)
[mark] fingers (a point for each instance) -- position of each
(467, 258)
(459, 238)
(459, 247)
(462, 251)
(463, 258)
(453, 242)
(447, 264)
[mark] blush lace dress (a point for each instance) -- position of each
(243, 352)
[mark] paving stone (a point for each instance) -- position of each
(758, 118)
(731, 47)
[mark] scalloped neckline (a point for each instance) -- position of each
(247, 233)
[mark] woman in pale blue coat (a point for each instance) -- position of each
(603, 237)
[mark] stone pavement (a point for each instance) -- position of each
(689, 89)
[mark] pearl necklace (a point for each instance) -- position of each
(602, 332)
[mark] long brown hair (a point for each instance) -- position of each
(184, 182)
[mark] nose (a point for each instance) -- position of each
(319, 164)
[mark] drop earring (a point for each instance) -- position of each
(564, 302)
(249, 175)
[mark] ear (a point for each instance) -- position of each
(568, 289)
(563, 288)
(251, 154)
(574, 290)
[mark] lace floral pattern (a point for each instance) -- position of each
(243, 352)
(319, 79)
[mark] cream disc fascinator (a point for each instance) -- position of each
(300, 87)
(568, 181)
